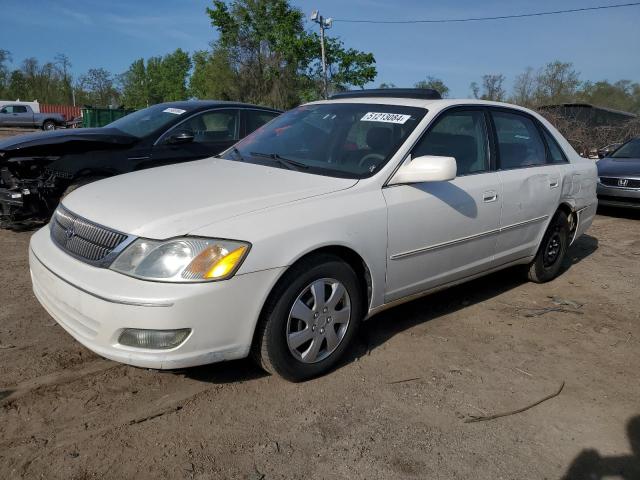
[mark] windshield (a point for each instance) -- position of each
(630, 149)
(336, 139)
(146, 121)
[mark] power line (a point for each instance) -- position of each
(480, 19)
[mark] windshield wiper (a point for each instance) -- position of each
(288, 163)
(238, 154)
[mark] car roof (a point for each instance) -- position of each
(192, 105)
(428, 104)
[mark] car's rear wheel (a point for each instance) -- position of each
(49, 125)
(310, 319)
(548, 261)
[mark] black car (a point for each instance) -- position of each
(36, 170)
(619, 177)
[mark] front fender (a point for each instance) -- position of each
(280, 236)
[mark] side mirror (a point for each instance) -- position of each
(428, 168)
(183, 136)
(601, 154)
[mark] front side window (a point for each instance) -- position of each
(630, 149)
(214, 126)
(459, 134)
(519, 142)
(352, 140)
(8, 109)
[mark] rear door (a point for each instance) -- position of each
(439, 232)
(214, 131)
(255, 118)
(531, 184)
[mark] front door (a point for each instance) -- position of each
(439, 232)
(213, 132)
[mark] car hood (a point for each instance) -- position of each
(58, 142)
(177, 199)
(619, 167)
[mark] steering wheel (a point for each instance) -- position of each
(370, 157)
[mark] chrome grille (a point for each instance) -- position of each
(614, 182)
(83, 239)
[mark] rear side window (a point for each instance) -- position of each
(555, 152)
(460, 134)
(19, 109)
(256, 118)
(519, 142)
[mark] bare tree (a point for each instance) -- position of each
(524, 88)
(584, 139)
(475, 89)
(492, 87)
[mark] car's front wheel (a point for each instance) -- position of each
(310, 319)
(548, 262)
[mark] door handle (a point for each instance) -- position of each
(553, 183)
(490, 196)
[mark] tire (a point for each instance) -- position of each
(296, 343)
(48, 125)
(80, 182)
(548, 261)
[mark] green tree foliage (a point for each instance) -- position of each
(160, 79)
(5, 58)
(264, 55)
(134, 85)
(621, 95)
(434, 83)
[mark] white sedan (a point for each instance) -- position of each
(281, 246)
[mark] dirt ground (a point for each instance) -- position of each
(394, 409)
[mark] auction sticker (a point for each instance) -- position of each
(175, 111)
(385, 117)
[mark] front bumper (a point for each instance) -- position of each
(618, 196)
(95, 304)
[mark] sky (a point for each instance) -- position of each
(111, 34)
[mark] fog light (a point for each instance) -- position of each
(155, 339)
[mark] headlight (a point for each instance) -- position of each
(181, 259)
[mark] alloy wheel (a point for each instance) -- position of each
(318, 320)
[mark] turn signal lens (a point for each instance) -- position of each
(226, 264)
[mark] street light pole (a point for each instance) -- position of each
(324, 24)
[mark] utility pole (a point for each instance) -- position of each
(325, 23)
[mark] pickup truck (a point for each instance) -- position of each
(24, 116)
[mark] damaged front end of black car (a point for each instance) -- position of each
(28, 189)
(33, 176)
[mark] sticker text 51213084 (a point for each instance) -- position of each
(385, 117)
